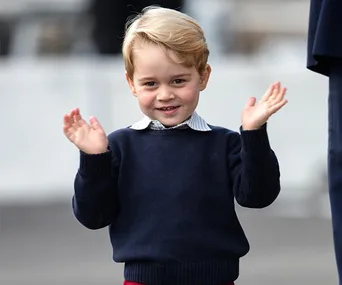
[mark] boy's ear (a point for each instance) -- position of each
(205, 75)
(130, 84)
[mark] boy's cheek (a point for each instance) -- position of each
(145, 101)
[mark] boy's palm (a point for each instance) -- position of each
(255, 115)
(89, 138)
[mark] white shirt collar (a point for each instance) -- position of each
(195, 122)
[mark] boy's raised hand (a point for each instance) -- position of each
(254, 115)
(89, 138)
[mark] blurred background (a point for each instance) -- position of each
(57, 55)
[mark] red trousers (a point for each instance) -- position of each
(133, 283)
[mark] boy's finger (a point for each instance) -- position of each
(77, 117)
(67, 131)
(71, 113)
(77, 111)
(74, 112)
(275, 91)
(277, 106)
(70, 133)
(77, 114)
(251, 102)
(95, 123)
(279, 96)
(78, 120)
(67, 119)
(268, 93)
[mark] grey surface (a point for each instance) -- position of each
(44, 244)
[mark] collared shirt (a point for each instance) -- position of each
(195, 122)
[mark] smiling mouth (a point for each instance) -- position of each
(168, 108)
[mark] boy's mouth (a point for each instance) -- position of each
(169, 108)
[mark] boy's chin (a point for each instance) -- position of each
(172, 123)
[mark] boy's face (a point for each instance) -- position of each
(166, 91)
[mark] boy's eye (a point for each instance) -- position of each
(150, 84)
(178, 81)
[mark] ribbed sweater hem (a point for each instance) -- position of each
(214, 272)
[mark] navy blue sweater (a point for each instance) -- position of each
(168, 199)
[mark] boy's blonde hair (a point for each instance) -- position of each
(171, 30)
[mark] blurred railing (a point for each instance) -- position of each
(39, 162)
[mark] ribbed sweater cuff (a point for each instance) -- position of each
(95, 164)
(256, 140)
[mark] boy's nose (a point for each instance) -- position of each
(165, 94)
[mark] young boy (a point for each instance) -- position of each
(166, 185)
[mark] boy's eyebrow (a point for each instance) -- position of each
(146, 79)
(150, 78)
(182, 75)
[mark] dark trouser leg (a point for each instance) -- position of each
(172, 4)
(110, 17)
(335, 157)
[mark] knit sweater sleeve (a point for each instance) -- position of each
(254, 168)
(94, 201)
